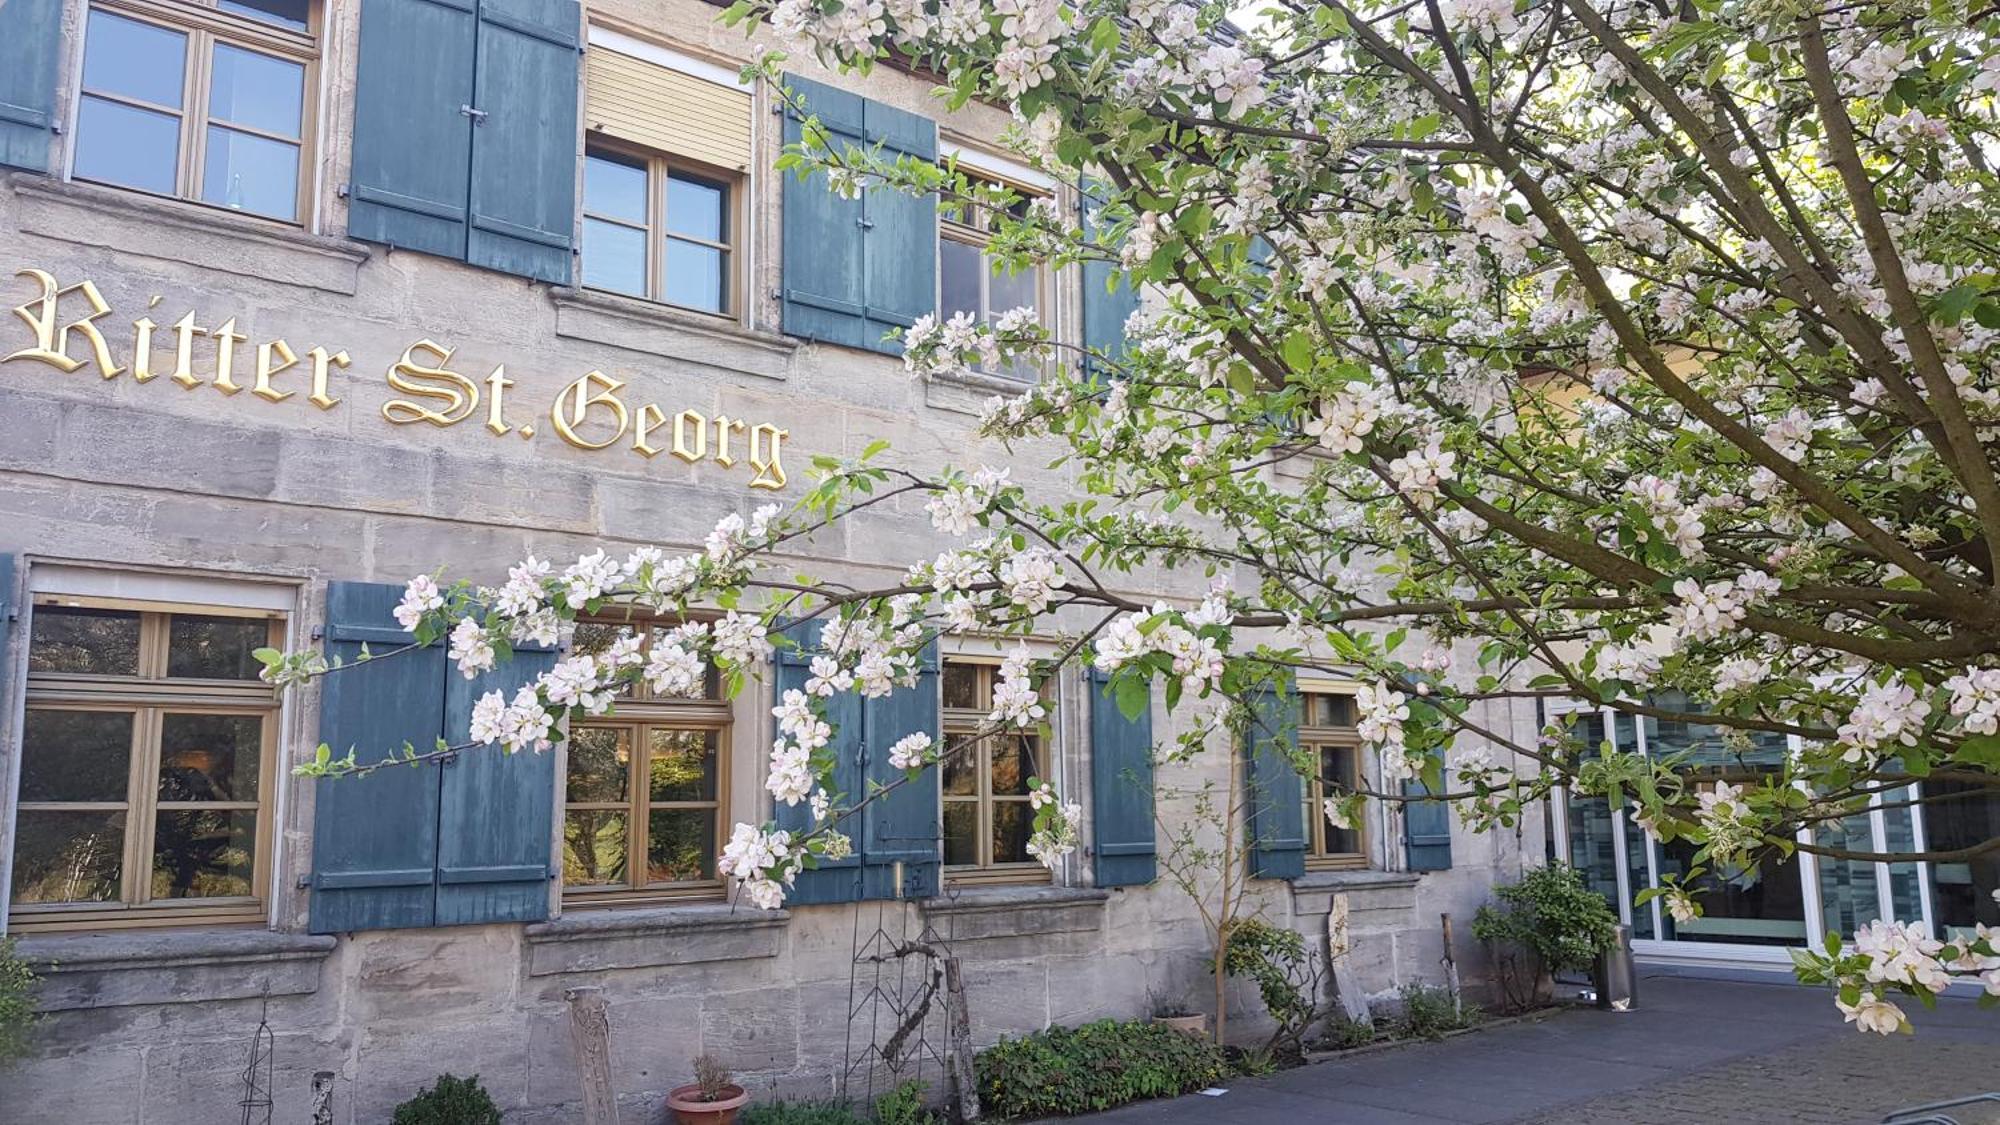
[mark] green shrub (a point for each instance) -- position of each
(1548, 922)
(1070, 1070)
(17, 1004)
(904, 1105)
(453, 1101)
(1288, 977)
(798, 1113)
(1428, 1013)
(1342, 1034)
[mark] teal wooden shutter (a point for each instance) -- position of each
(902, 827)
(524, 144)
(1109, 297)
(412, 151)
(30, 40)
(375, 837)
(856, 268)
(9, 613)
(1426, 829)
(1275, 795)
(899, 232)
(495, 809)
(835, 880)
(1121, 790)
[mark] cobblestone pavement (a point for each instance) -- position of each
(1707, 1051)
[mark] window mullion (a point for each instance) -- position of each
(637, 804)
(656, 226)
(140, 801)
(201, 52)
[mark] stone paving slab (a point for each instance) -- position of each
(1699, 1050)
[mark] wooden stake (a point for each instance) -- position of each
(965, 1087)
(1451, 968)
(590, 1034)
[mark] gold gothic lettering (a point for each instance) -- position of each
(592, 412)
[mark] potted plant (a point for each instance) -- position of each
(1180, 1017)
(711, 1099)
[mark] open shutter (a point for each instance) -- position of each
(30, 40)
(823, 273)
(9, 613)
(412, 151)
(856, 268)
(1121, 789)
(835, 880)
(375, 837)
(524, 145)
(495, 809)
(1426, 829)
(902, 827)
(899, 232)
(1109, 297)
(1275, 796)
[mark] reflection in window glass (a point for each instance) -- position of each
(697, 208)
(257, 91)
(615, 188)
(614, 257)
(118, 144)
(697, 276)
(599, 762)
(210, 757)
(682, 767)
(680, 845)
(204, 853)
(133, 60)
(593, 848)
(247, 173)
(289, 14)
(75, 755)
(91, 642)
(215, 648)
(62, 856)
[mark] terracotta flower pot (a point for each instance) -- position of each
(1188, 1025)
(689, 1109)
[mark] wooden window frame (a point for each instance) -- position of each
(205, 26)
(638, 714)
(1315, 739)
(980, 237)
(968, 720)
(149, 696)
(661, 166)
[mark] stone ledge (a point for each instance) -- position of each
(209, 237)
(1003, 912)
(967, 392)
(654, 329)
(1370, 894)
(121, 969)
(627, 938)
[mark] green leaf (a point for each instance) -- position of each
(1131, 695)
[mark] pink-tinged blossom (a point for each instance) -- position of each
(421, 596)
(1887, 714)
(471, 649)
(910, 751)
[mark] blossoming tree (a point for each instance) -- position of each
(1649, 349)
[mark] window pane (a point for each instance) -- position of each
(697, 276)
(1337, 764)
(215, 648)
(697, 208)
(1013, 764)
(614, 257)
(76, 755)
(253, 174)
(284, 13)
(680, 845)
(121, 145)
(959, 268)
(68, 856)
(96, 642)
(598, 758)
(256, 90)
(1013, 823)
(1332, 710)
(133, 59)
(593, 848)
(961, 832)
(682, 767)
(204, 853)
(210, 757)
(961, 767)
(614, 188)
(1011, 291)
(961, 686)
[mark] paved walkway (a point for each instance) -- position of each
(1700, 1051)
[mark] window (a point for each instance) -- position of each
(970, 280)
(147, 754)
(643, 811)
(987, 818)
(655, 229)
(201, 101)
(1326, 729)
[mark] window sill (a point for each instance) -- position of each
(654, 329)
(122, 969)
(172, 230)
(594, 940)
(968, 392)
(1018, 911)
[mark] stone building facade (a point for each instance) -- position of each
(283, 408)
